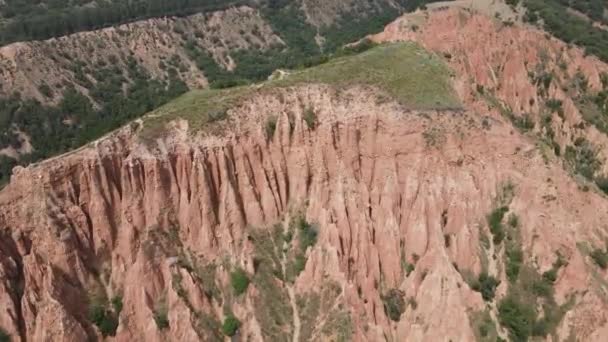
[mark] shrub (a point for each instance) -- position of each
(299, 263)
(513, 221)
(231, 325)
(512, 3)
(160, 313)
(109, 325)
(310, 117)
(515, 258)
(409, 268)
(540, 328)
(394, 304)
(486, 285)
(161, 319)
(583, 158)
(554, 105)
(4, 336)
(45, 90)
(542, 288)
(524, 123)
(600, 257)
(517, 316)
(103, 318)
(602, 183)
(271, 126)
(117, 304)
(239, 281)
(307, 234)
(363, 45)
(217, 115)
(295, 266)
(495, 223)
(550, 275)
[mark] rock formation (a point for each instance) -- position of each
(350, 215)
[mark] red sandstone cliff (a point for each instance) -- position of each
(400, 199)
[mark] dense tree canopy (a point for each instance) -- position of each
(41, 19)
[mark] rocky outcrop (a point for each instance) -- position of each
(512, 69)
(349, 215)
(386, 187)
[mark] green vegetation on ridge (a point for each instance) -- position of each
(405, 72)
(118, 96)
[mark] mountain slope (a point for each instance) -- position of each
(61, 93)
(449, 184)
(380, 196)
(555, 95)
(93, 211)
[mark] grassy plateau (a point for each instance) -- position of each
(406, 72)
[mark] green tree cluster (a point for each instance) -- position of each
(569, 27)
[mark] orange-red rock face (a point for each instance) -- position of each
(506, 62)
(385, 186)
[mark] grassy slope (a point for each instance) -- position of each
(404, 71)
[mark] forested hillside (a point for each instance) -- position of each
(41, 19)
(36, 19)
(105, 96)
(573, 21)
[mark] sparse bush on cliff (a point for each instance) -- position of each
(239, 281)
(271, 304)
(310, 117)
(486, 285)
(513, 220)
(217, 115)
(161, 314)
(307, 234)
(103, 318)
(306, 237)
(517, 316)
(117, 304)
(525, 122)
(513, 263)
(582, 157)
(409, 268)
(519, 312)
(551, 275)
(394, 304)
(495, 223)
(45, 90)
(600, 257)
(271, 126)
(486, 327)
(602, 183)
(231, 325)
(103, 313)
(295, 267)
(512, 3)
(555, 105)
(4, 337)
